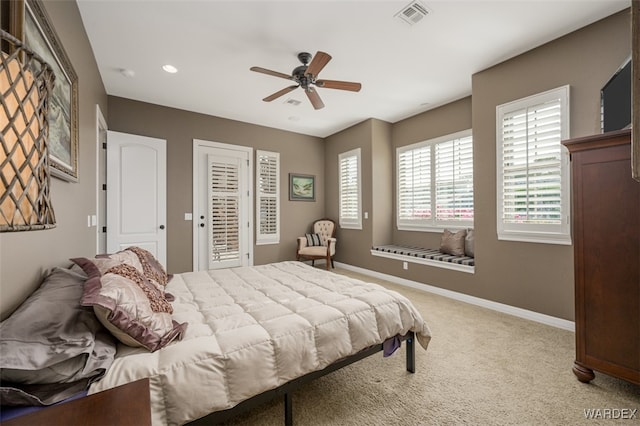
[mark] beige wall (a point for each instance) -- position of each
(179, 128)
(24, 256)
(451, 118)
(352, 244)
(382, 182)
(537, 277)
(373, 137)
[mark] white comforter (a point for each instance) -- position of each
(252, 329)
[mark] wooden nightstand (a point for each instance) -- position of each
(124, 405)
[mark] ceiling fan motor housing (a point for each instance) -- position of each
(304, 57)
(298, 75)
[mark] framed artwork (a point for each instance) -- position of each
(29, 22)
(302, 187)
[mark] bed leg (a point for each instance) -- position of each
(411, 352)
(288, 410)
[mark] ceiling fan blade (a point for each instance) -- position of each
(314, 98)
(342, 85)
(317, 63)
(269, 72)
(280, 93)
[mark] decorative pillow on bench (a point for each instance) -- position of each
(469, 243)
(453, 243)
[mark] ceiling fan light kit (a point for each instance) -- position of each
(306, 76)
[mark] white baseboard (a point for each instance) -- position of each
(500, 307)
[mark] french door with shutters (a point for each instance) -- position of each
(222, 206)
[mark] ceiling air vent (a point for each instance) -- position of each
(293, 102)
(413, 12)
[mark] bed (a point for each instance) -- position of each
(242, 335)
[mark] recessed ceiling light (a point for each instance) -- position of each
(170, 69)
(127, 72)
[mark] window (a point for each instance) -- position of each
(350, 189)
(267, 197)
(435, 183)
(224, 199)
(532, 168)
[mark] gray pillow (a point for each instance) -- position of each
(453, 243)
(469, 243)
(52, 340)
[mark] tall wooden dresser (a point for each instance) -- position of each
(606, 239)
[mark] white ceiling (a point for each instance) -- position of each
(404, 69)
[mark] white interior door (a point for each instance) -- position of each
(222, 195)
(136, 193)
(101, 182)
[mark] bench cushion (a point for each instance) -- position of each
(433, 254)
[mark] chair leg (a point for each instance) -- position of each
(313, 262)
(328, 262)
(332, 265)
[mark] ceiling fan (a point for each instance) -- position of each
(307, 75)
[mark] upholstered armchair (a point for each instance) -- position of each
(321, 244)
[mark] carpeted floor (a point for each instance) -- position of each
(482, 368)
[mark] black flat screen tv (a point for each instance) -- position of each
(615, 100)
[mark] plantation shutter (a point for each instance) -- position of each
(533, 191)
(224, 201)
(349, 181)
(414, 185)
(532, 165)
(454, 180)
(268, 197)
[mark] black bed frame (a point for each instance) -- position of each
(287, 389)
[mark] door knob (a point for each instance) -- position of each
(161, 226)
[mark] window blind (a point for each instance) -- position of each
(435, 183)
(349, 182)
(533, 168)
(531, 164)
(414, 184)
(224, 242)
(454, 180)
(268, 197)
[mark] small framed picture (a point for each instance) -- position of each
(302, 187)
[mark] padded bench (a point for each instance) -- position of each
(432, 257)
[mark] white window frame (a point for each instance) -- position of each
(431, 224)
(354, 220)
(559, 233)
(271, 237)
